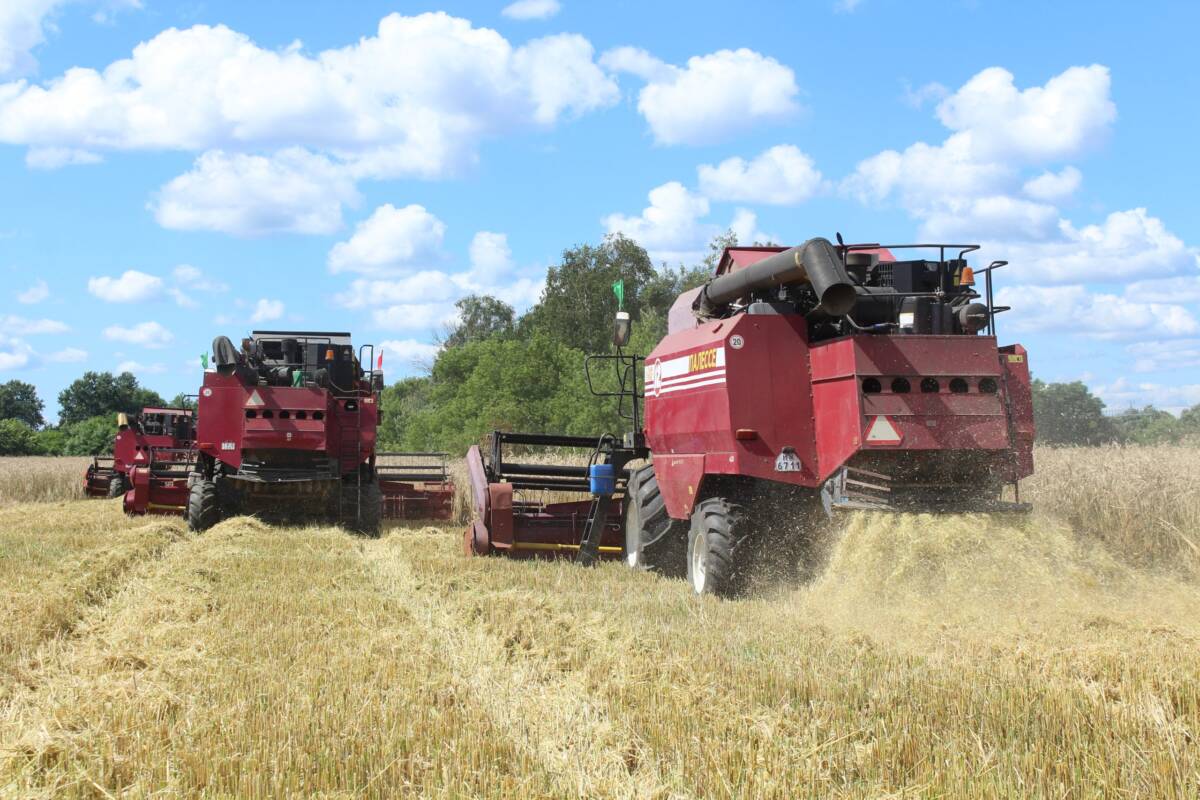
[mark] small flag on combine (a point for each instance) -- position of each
(619, 291)
(379, 361)
(204, 360)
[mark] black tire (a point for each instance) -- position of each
(117, 486)
(653, 541)
(371, 510)
(719, 548)
(203, 510)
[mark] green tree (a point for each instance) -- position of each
(101, 393)
(1148, 425)
(1067, 413)
(576, 308)
(16, 438)
(480, 317)
(399, 403)
(19, 400)
(181, 400)
(90, 437)
(531, 384)
(51, 441)
(1189, 421)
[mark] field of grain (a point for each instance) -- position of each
(962, 657)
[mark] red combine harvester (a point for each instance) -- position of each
(286, 430)
(165, 433)
(796, 384)
(415, 485)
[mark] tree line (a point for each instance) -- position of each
(497, 370)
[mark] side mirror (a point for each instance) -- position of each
(621, 329)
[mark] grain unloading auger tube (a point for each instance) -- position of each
(797, 383)
(415, 486)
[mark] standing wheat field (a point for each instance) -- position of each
(1054, 656)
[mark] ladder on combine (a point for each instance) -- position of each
(350, 456)
(350, 445)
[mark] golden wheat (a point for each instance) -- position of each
(968, 656)
(41, 478)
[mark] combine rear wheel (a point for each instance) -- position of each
(718, 553)
(117, 486)
(653, 541)
(202, 509)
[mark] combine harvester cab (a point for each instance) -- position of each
(415, 485)
(802, 382)
(138, 435)
(286, 431)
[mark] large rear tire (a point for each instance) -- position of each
(117, 486)
(203, 510)
(719, 552)
(653, 541)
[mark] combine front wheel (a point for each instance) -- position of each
(370, 508)
(653, 541)
(202, 509)
(117, 486)
(717, 554)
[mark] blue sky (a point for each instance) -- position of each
(173, 171)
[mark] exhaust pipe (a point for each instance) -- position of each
(815, 262)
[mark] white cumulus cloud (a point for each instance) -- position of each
(132, 286)
(408, 353)
(532, 9)
(670, 227)
(391, 241)
(58, 157)
(414, 316)
(1069, 114)
(292, 191)
(713, 97)
(1126, 245)
(1052, 186)
(490, 254)
(146, 334)
(427, 285)
(34, 294)
(412, 100)
(1099, 315)
(138, 368)
(266, 310)
(20, 326)
(15, 353)
(781, 175)
(68, 355)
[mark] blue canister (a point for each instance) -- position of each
(602, 479)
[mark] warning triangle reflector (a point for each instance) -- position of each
(255, 399)
(882, 431)
(139, 457)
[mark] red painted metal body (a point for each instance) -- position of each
(169, 429)
(159, 485)
(235, 418)
(726, 396)
(415, 485)
(519, 527)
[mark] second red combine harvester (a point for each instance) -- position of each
(286, 431)
(797, 383)
(161, 437)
